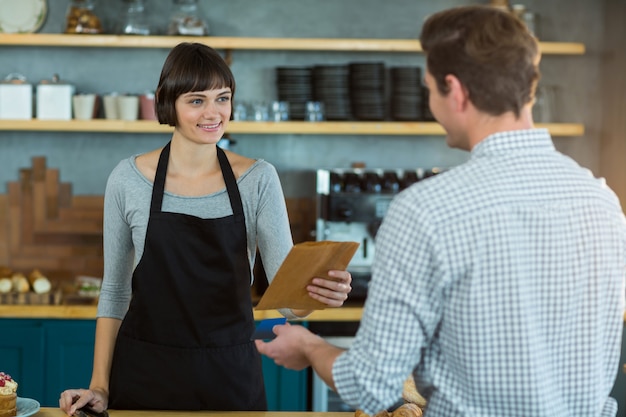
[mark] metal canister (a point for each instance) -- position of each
(16, 97)
(54, 99)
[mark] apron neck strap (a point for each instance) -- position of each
(231, 183)
(229, 179)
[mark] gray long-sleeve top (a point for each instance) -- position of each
(127, 208)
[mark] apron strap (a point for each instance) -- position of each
(159, 180)
(231, 183)
(227, 172)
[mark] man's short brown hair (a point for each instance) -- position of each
(489, 50)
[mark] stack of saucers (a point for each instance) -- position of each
(407, 98)
(331, 87)
(367, 90)
(294, 86)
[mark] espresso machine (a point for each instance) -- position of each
(351, 204)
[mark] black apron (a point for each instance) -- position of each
(185, 341)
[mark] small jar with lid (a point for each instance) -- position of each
(134, 20)
(82, 17)
(186, 19)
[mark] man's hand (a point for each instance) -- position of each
(290, 347)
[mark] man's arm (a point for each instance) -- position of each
(295, 347)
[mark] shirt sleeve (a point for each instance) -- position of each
(115, 293)
(401, 312)
(272, 222)
(273, 229)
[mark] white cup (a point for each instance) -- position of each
(110, 106)
(128, 107)
(84, 106)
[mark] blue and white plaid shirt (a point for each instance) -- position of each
(501, 283)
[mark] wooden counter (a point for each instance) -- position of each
(55, 412)
(346, 313)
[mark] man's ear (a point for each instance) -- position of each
(457, 93)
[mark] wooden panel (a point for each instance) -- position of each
(613, 140)
(301, 218)
(44, 226)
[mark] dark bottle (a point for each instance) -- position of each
(372, 183)
(390, 182)
(409, 178)
(351, 183)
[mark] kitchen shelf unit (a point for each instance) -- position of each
(248, 43)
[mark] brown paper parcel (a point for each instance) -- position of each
(304, 262)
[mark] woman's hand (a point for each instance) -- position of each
(73, 399)
(331, 292)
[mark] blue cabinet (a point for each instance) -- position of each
(285, 390)
(21, 350)
(46, 356)
(68, 356)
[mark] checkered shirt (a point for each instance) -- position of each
(500, 284)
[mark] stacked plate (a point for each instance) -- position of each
(428, 115)
(294, 86)
(367, 90)
(407, 97)
(331, 87)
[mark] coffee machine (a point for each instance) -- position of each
(351, 204)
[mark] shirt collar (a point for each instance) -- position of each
(514, 141)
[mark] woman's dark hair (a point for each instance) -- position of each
(490, 51)
(189, 67)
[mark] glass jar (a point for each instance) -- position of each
(185, 19)
(134, 19)
(81, 17)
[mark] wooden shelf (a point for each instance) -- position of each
(296, 44)
(261, 128)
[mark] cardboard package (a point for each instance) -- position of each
(305, 261)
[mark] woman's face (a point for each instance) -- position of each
(203, 115)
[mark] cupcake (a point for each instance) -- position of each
(8, 396)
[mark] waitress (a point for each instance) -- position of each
(182, 225)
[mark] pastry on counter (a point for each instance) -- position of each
(8, 396)
(408, 410)
(5, 285)
(39, 282)
(20, 283)
(413, 405)
(410, 393)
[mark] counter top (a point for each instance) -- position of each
(55, 412)
(345, 313)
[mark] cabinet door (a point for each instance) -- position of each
(619, 389)
(286, 390)
(69, 357)
(21, 355)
